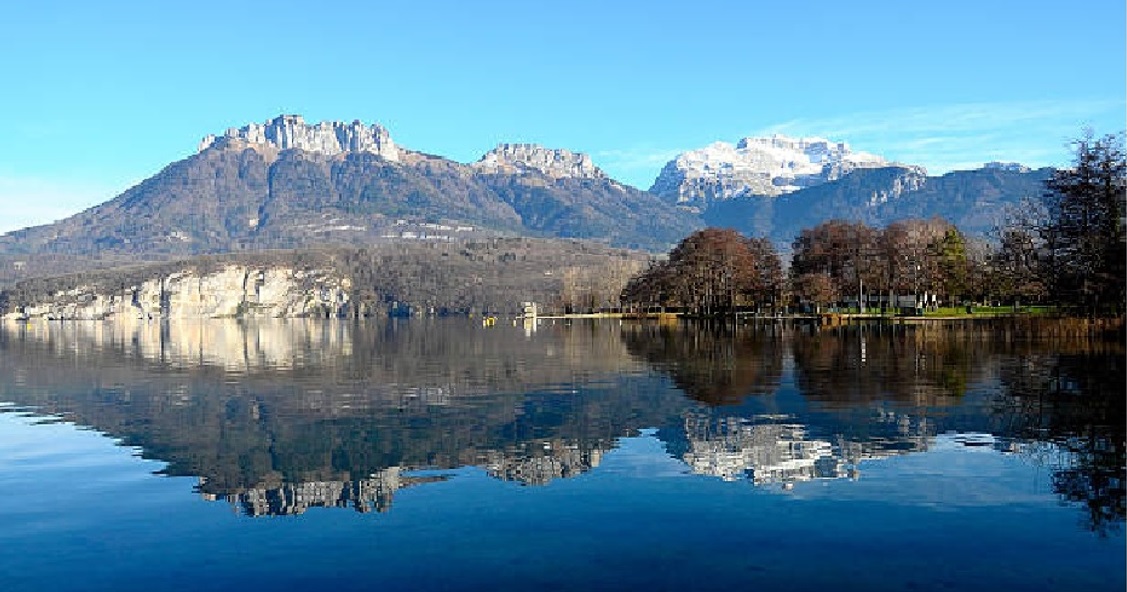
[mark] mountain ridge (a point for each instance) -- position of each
(287, 184)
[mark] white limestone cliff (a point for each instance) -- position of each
(234, 291)
(330, 138)
(757, 166)
(554, 163)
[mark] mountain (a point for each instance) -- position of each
(756, 166)
(777, 186)
(975, 201)
(288, 184)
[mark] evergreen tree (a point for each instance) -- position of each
(1085, 232)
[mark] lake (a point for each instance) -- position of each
(427, 454)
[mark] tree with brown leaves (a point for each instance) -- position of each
(711, 272)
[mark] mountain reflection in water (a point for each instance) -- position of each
(278, 417)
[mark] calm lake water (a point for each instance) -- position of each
(441, 454)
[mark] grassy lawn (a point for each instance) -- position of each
(954, 311)
(961, 311)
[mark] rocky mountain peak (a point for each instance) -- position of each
(766, 166)
(330, 138)
(556, 163)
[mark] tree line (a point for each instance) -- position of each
(1066, 248)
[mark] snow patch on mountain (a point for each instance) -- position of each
(768, 166)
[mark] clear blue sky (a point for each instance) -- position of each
(100, 95)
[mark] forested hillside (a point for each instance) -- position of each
(488, 275)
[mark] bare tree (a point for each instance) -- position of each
(712, 271)
(847, 254)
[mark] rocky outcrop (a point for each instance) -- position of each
(330, 138)
(756, 166)
(910, 178)
(233, 291)
(555, 163)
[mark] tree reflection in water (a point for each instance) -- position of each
(876, 390)
(714, 363)
(1073, 397)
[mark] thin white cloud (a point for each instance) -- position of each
(636, 158)
(942, 138)
(952, 137)
(637, 166)
(960, 117)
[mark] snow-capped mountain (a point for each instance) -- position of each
(757, 166)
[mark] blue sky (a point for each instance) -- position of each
(100, 95)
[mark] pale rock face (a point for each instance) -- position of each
(330, 138)
(757, 166)
(554, 163)
(234, 291)
(912, 179)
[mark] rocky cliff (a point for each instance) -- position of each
(232, 291)
(330, 138)
(554, 163)
(756, 166)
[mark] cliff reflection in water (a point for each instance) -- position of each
(279, 417)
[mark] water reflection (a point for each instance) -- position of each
(717, 364)
(773, 450)
(538, 463)
(284, 499)
(279, 417)
(920, 366)
(1074, 398)
(763, 452)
